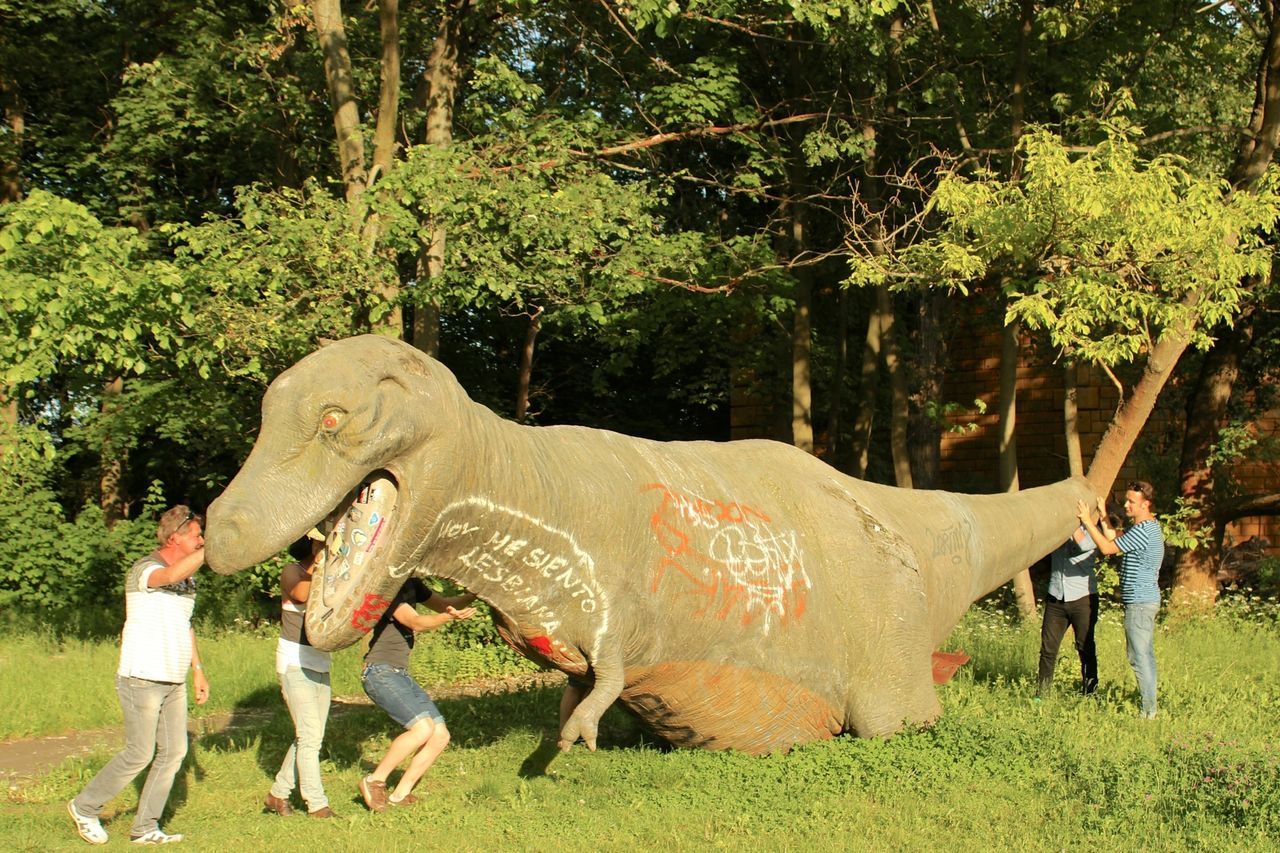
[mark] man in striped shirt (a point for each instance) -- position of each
(1141, 550)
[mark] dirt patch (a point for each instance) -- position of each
(29, 758)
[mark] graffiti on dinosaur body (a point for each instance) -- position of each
(364, 617)
(731, 556)
(543, 576)
(953, 543)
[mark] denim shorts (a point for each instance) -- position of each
(395, 691)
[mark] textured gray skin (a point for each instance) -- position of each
(736, 595)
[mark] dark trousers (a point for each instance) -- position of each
(1082, 616)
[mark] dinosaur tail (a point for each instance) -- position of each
(973, 544)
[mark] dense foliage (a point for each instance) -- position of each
(616, 214)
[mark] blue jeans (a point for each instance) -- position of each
(1139, 640)
(155, 723)
(395, 691)
(307, 694)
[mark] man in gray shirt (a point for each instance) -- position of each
(1072, 600)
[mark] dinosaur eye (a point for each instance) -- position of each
(330, 420)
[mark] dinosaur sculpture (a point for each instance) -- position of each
(738, 595)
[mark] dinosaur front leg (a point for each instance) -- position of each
(584, 722)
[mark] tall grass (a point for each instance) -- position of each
(51, 684)
(1000, 770)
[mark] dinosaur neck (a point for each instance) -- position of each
(990, 538)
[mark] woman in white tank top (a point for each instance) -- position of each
(304, 681)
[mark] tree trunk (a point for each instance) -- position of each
(340, 78)
(1018, 98)
(860, 444)
(1071, 419)
(426, 326)
(1196, 570)
(801, 366)
(111, 472)
(526, 365)
(1123, 431)
(837, 379)
(1009, 348)
(384, 134)
(1195, 573)
(899, 414)
(384, 148)
(874, 344)
(440, 88)
(15, 121)
(1258, 143)
(930, 362)
(1023, 591)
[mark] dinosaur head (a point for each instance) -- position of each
(353, 437)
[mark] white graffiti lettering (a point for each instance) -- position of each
(519, 555)
(732, 555)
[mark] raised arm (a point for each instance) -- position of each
(1105, 545)
(295, 582)
(442, 604)
(416, 622)
(177, 571)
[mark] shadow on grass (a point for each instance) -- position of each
(536, 711)
(1015, 677)
(261, 722)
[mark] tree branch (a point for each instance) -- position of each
(1244, 506)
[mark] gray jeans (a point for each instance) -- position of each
(307, 694)
(155, 723)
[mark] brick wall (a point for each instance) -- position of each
(970, 452)
(1258, 476)
(970, 456)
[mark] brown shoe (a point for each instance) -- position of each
(275, 804)
(409, 799)
(374, 793)
(324, 812)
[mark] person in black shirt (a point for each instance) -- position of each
(387, 681)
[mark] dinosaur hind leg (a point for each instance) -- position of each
(900, 694)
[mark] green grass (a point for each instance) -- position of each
(77, 685)
(1000, 770)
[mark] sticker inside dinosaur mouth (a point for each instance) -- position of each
(356, 534)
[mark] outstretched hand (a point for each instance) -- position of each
(1102, 507)
(464, 613)
(1082, 512)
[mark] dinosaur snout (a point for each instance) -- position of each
(221, 535)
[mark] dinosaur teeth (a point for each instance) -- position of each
(356, 532)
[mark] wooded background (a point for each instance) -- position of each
(670, 219)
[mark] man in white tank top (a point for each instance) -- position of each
(156, 648)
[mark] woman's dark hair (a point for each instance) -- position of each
(301, 550)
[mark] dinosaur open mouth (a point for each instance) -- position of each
(357, 536)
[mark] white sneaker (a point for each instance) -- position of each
(90, 828)
(157, 836)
